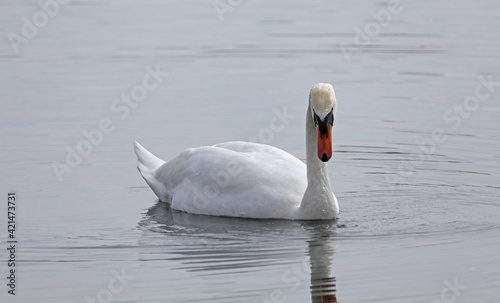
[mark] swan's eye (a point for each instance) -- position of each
(330, 118)
(316, 119)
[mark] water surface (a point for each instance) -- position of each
(415, 165)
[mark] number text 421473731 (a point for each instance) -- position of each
(11, 242)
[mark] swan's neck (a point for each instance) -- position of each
(318, 201)
(317, 171)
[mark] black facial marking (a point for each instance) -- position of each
(323, 124)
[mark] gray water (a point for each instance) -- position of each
(415, 165)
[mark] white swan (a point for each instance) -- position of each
(251, 180)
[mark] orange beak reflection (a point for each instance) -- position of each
(325, 143)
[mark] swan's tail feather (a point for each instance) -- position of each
(147, 163)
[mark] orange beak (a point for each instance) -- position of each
(325, 144)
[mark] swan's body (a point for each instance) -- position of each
(251, 180)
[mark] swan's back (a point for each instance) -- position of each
(237, 179)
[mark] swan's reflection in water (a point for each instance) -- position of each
(323, 284)
(324, 291)
(212, 245)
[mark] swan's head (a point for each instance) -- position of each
(323, 110)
